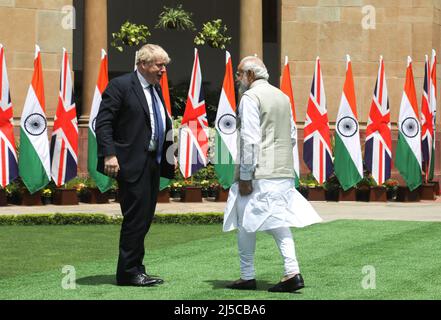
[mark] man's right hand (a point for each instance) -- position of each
(111, 166)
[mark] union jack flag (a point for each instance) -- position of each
(378, 148)
(8, 155)
(426, 122)
(317, 152)
(64, 143)
(193, 135)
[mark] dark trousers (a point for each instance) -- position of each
(138, 203)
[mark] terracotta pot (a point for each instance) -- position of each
(348, 195)
(405, 195)
(191, 194)
(427, 191)
(65, 197)
(378, 194)
(316, 194)
(163, 196)
(31, 199)
(3, 198)
(222, 194)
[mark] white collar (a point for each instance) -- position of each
(143, 81)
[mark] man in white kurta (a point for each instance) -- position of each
(264, 197)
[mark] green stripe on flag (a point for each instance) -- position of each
(163, 183)
(224, 164)
(32, 171)
(103, 182)
(296, 180)
(407, 164)
(344, 166)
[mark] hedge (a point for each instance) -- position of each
(102, 219)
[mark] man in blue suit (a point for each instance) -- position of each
(134, 136)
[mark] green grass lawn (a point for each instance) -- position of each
(196, 262)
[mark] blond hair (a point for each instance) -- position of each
(150, 52)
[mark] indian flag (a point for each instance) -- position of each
(286, 87)
(103, 182)
(348, 161)
(408, 154)
(432, 101)
(164, 182)
(34, 163)
(226, 134)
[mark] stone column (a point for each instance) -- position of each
(251, 28)
(95, 39)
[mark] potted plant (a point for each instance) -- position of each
(13, 193)
(332, 188)
(213, 33)
(26, 198)
(46, 196)
(3, 197)
(164, 195)
(222, 194)
(316, 192)
(66, 195)
(303, 189)
(364, 188)
(213, 189)
(175, 190)
(437, 189)
(90, 193)
(391, 186)
(428, 191)
(175, 18)
(378, 193)
(191, 192)
(404, 194)
(205, 184)
(113, 191)
(82, 192)
(130, 34)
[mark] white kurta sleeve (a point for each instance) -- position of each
(250, 137)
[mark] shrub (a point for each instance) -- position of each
(102, 219)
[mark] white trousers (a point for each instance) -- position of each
(247, 247)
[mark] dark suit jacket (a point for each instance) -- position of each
(123, 128)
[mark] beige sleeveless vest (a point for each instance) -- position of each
(275, 159)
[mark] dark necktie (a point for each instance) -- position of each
(158, 125)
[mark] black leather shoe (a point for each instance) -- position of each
(243, 285)
(291, 285)
(139, 280)
(158, 280)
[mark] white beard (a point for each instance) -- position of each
(243, 86)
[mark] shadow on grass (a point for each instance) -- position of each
(221, 284)
(97, 280)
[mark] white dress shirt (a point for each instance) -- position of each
(146, 88)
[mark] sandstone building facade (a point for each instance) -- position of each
(300, 29)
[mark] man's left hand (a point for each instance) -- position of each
(245, 187)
